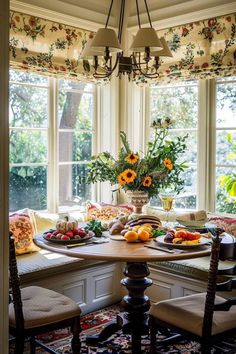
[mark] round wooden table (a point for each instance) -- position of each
(136, 304)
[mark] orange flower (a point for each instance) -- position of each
(129, 175)
(147, 181)
(168, 164)
(121, 179)
(132, 158)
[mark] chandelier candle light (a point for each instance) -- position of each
(146, 49)
(141, 175)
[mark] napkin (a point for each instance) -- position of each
(193, 216)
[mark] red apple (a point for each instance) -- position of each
(65, 238)
(70, 234)
(48, 236)
(82, 233)
(59, 236)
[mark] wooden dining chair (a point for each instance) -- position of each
(34, 310)
(206, 317)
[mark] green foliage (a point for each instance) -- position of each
(96, 227)
(158, 169)
(228, 182)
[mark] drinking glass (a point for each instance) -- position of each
(167, 200)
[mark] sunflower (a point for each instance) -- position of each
(129, 175)
(168, 164)
(147, 181)
(132, 158)
(121, 179)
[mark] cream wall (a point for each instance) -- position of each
(4, 176)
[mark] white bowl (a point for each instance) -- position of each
(192, 223)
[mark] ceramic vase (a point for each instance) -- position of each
(137, 199)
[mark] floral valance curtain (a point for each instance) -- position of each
(46, 47)
(202, 49)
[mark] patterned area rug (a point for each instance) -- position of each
(116, 344)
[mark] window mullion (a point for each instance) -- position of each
(203, 103)
(53, 148)
(211, 147)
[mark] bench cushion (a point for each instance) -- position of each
(196, 268)
(44, 263)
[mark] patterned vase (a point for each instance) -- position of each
(137, 199)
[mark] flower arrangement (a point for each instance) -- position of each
(156, 170)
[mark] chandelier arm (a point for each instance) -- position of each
(108, 73)
(149, 18)
(138, 14)
(109, 13)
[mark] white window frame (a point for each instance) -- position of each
(53, 142)
(206, 161)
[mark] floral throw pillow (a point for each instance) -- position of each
(227, 224)
(21, 227)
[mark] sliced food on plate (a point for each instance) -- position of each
(182, 237)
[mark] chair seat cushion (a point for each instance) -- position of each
(42, 306)
(187, 313)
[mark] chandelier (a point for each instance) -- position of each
(146, 50)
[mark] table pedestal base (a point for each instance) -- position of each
(134, 320)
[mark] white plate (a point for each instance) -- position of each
(160, 239)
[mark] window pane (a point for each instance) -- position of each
(28, 106)
(224, 150)
(23, 76)
(225, 144)
(190, 155)
(187, 199)
(75, 146)
(177, 102)
(224, 202)
(28, 146)
(76, 114)
(226, 105)
(180, 103)
(28, 188)
(70, 191)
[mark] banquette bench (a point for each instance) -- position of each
(96, 284)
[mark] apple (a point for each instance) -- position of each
(82, 233)
(59, 236)
(48, 236)
(65, 238)
(69, 234)
(55, 233)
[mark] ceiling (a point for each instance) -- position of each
(163, 12)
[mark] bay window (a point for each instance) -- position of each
(51, 138)
(210, 156)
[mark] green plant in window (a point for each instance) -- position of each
(228, 182)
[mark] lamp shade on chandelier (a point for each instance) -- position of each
(146, 49)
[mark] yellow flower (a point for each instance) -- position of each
(168, 164)
(121, 179)
(147, 181)
(129, 175)
(132, 158)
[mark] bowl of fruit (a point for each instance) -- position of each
(68, 232)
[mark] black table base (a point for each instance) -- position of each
(134, 320)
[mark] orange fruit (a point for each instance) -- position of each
(146, 228)
(131, 236)
(143, 235)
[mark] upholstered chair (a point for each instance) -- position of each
(204, 317)
(34, 310)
